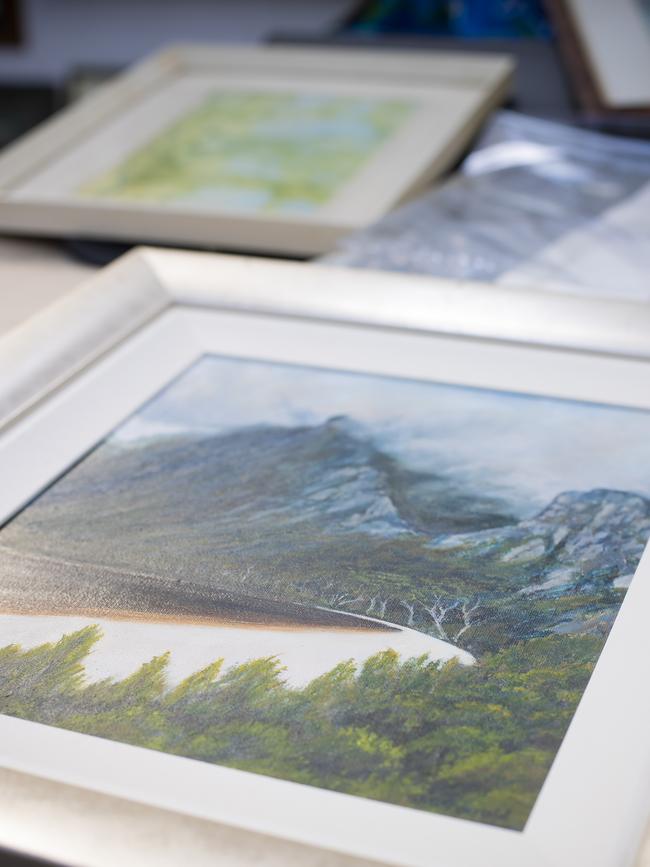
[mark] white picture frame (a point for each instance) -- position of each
(144, 319)
(445, 98)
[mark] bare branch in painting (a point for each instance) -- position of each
(439, 611)
(468, 609)
(382, 607)
(411, 610)
(340, 600)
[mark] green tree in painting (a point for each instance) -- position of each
(470, 741)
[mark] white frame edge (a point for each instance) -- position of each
(52, 347)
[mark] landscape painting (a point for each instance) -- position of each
(392, 589)
(255, 152)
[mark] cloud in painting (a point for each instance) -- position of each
(522, 448)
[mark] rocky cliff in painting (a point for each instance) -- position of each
(320, 515)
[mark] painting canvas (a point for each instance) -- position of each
(393, 589)
(255, 152)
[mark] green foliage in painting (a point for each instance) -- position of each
(255, 152)
(474, 742)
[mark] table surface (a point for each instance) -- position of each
(34, 274)
(48, 819)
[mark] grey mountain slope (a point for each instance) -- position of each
(319, 515)
(180, 503)
(34, 584)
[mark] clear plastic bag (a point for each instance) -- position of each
(535, 203)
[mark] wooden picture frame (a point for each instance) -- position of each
(134, 327)
(395, 122)
(605, 49)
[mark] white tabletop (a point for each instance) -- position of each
(34, 274)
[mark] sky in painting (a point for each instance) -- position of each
(524, 449)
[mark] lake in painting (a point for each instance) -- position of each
(388, 588)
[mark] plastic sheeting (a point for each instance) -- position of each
(535, 204)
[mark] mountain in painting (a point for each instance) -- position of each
(320, 515)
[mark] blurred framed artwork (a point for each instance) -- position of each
(606, 50)
(10, 22)
(346, 568)
(267, 149)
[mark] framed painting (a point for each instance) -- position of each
(364, 569)
(269, 149)
(621, 78)
(606, 50)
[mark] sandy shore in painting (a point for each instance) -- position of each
(35, 584)
(305, 653)
(142, 616)
(94, 615)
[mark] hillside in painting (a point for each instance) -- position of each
(319, 515)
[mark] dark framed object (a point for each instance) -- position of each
(11, 32)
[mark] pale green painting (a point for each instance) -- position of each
(255, 152)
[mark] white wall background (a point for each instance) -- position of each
(62, 34)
